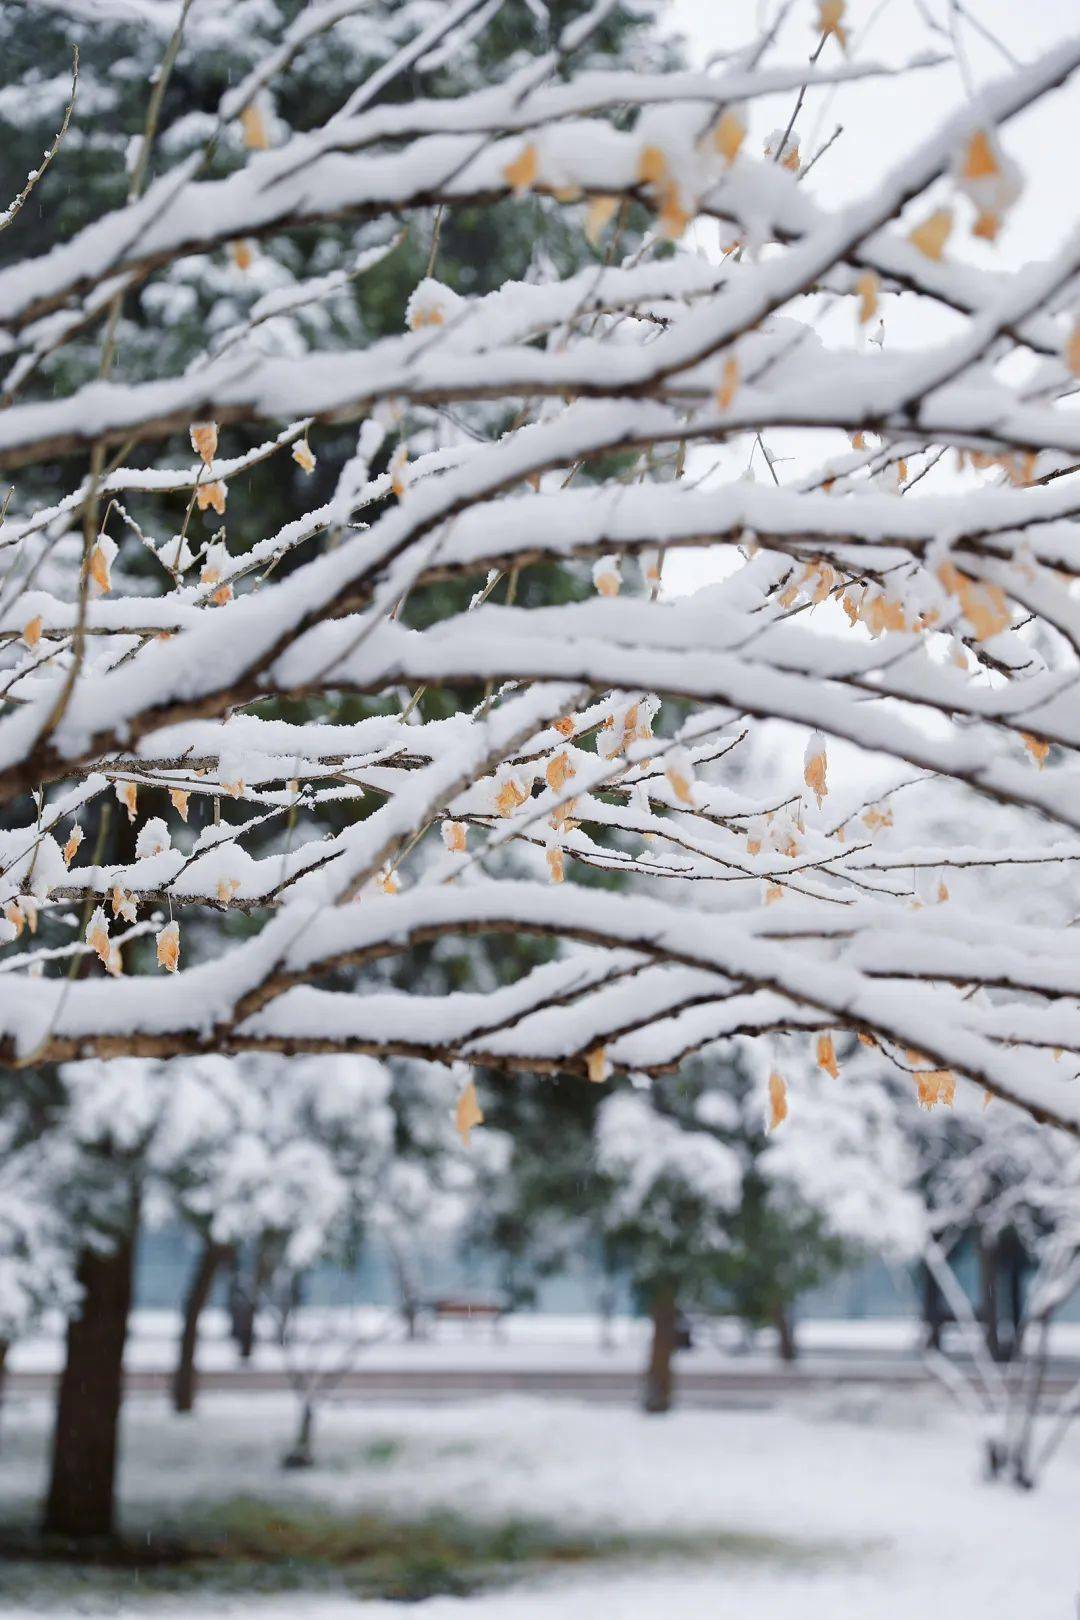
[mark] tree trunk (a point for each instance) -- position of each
(211, 1257)
(302, 1454)
(988, 1281)
(408, 1292)
(4, 1347)
(934, 1308)
(608, 1305)
(659, 1376)
(785, 1333)
(1014, 1271)
(244, 1297)
(82, 1488)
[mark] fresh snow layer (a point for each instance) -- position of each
(880, 1502)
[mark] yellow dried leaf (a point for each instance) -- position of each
(729, 382)
(561, 817)
(97, 936)
(773, 893)
(868, 287)
(936, 1086)
(597, 1066)
(211, 495)
(468, 1113)
(99, 569)
(652, 169)
(398, 469)
(673, 217)
(983, 603)
(521, 174)
(814, 772)
(180, 799)
(421, 315)
(866, 1040)
(558, 771)
(71, 848)
(826, 1055)
(31, 632)
(254, 127)
(168, 947)
(980, 163)
(819, 580)
(565, 726)
(226, 888)
(942, 891)
(680, 785)
(987, 225)
(123, 906)
(778, 1103)
(235, 788)
(830, 20)
(13, 913)
(931, 236)
(204, 440)
(1072, 351)
(304, 456)
(598, 216)
(509, 797)
(388, 883)
(728, 135)
(1036, 747)
(454, 836)
(556, 867)
(879, 614)
(128, 794)
(223, 594)
(242, 254)
(607, 584)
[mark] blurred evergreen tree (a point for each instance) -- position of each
(699, 1232)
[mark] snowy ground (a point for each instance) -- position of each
(870, 1506)
(526, 1340)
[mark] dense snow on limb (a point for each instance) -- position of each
(457, 685)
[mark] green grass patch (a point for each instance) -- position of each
(249, 1545)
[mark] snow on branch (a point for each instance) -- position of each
(456, 684)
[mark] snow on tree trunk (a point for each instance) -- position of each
(82, 1488)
